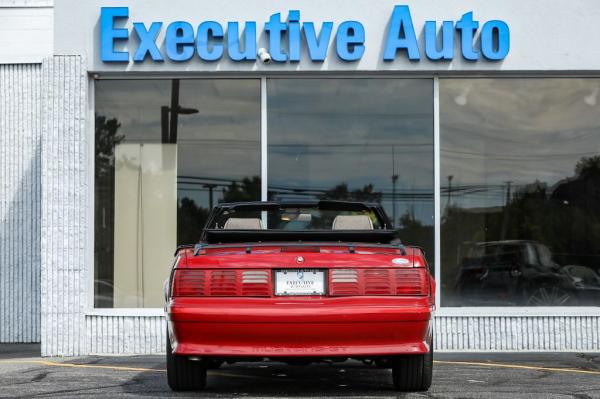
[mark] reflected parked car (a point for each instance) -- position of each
(522, 273)
(586, 282)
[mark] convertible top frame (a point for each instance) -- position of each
(385, 235)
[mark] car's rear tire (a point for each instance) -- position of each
(184, 374)
(413, 372)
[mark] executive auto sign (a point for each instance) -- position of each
(210, 41)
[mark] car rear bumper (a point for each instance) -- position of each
(321, 327)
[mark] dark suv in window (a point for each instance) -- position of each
(520, 272)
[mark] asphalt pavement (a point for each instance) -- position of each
(467, 375)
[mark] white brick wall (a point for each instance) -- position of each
(128, 335)
(65, 182)
(517, 333)
(20, 200)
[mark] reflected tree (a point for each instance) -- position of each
(246, 190)
(107, 137)
(564, 217)
(411, 231)
(191, 217)
(190, 221)
(588, 167)
(341, 192)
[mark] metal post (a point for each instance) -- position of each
(437, 188)
(164, 124)
(211, 188)
(174, 110)
(394, 180)
(450, 177)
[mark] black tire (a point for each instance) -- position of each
(413, 372)
(184, 374)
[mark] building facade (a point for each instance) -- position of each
(476, 125)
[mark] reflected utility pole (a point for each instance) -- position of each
(211, 187)
(505, 219)
(169, 116)
(508, 184)
(394, 180)
(450, 177)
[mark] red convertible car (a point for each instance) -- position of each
(299, 282)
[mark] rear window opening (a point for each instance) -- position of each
(297, 219)
(324, 221)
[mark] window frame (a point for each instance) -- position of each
(490, 311)
(466, 311)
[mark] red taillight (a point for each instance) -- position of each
(201, 282)
(409, 282)
(223, 283)
(189, 282)
(343, 282)
(256, 283)
(377, 282)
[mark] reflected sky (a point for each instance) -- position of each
(520, 211)
(521, 131)
(220, 141)
(324, 132)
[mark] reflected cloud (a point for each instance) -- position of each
(354, 132)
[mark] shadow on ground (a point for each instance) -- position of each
(275, 379)
(17, 351)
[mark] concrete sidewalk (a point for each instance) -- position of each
(15, 351)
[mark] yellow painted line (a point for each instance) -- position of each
(219, 373)
(83, 366)
(518, 366)
(117, 368)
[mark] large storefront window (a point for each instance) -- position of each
(520, 171)
(358, 139)
(166, 151)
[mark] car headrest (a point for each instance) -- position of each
(243, 224)
(352, 222)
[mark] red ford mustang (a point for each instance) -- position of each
(299, 282)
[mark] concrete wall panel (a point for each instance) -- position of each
(65, 182)
(517, 333)
(20, 201)
(129, 335)
(26, 31)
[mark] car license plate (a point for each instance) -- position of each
(299, 282)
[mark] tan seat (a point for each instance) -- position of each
(352, 222)
(243, 224)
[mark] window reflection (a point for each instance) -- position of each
(166, 151)
(218, 149)
(359, 139)
(520, 167)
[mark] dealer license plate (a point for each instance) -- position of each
(299, 282)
